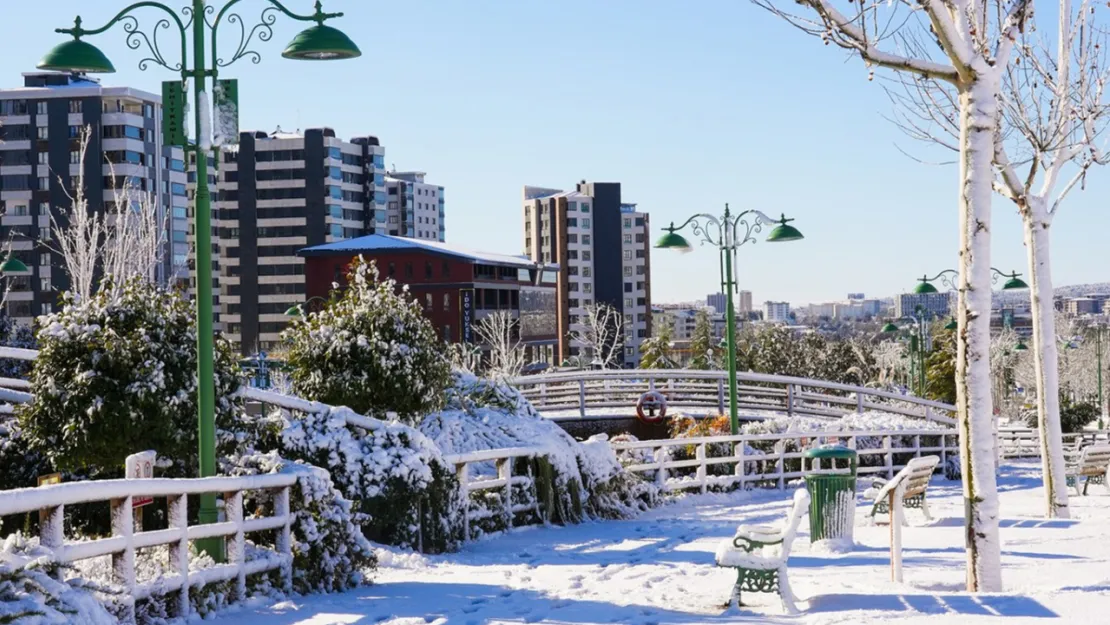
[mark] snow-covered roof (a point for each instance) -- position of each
(385, 243)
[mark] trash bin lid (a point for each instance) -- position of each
(831, 451)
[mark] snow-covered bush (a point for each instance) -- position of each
(14, 334)
(370, 348)
(116, 374)
(19, 466)
(404, 493)
(689, 427)
(30, 595)
(614, 492)
(330, 553)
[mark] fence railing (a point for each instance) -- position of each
(125, 541)
(580, 394)
(883, 453)
(1026, 442)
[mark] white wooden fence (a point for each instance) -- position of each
(50, 501)
(1026, 442)
(581, 394)
(752, 467)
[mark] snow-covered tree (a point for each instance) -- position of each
(655, 352)
(500, 333)
(701, 343)
(965, 48)
(117, 373)
(891, 364)
(370, 348)
(600, 336)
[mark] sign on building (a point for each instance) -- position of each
(140, 466)
(173, 113)
(466, 315)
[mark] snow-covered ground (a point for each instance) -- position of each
(659, 570)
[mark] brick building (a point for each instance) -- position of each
(457, 288)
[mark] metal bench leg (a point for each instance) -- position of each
(787, 596)
(734, 600)
(1086, 483)
(925, 508)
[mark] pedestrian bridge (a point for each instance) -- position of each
(612, 394)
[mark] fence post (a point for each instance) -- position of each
(859, 402)
(52, 534)
(721, 395)
(178, 508)
(582, 398)
(543, 393)
(505, 472)
(236, 545)
(740, 470)
(699, 454)
(916, 445)
(123, 563)
(780, 462)
(660, 471)
(790, 400)
(284, 542)
(889, 457)
(462, 471)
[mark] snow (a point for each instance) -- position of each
(204, 127)
(659, 569)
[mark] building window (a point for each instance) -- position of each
(627, 270)
(408, 271)
(428, 301)
(392, 270)
(44, 183)
(627, 287)
(587, 272)
(628, 302)
(585, 239)
(447, 333)
(44, 158)
(627, 239)
(44, 208)
(627, 223)
(74, 157)
(585, 222)
(588, 287)
(587, 255)
(446, 302)
(572, 222)
(44, 285)
(428, 270)
(585, 208)
(40, 107)
(628, 254)
(446, 269)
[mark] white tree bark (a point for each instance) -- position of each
(506, 353)
(978, 115)
(601, 336)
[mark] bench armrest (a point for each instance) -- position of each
(750, 537)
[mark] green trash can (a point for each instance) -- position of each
(832, 496)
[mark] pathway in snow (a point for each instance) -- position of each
(658, 570)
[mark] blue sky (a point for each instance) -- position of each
(689, 109)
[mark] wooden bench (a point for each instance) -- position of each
(1090, 462)
(916, 475)
(759, 554)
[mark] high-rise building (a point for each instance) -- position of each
(601, 245)
(933, 304)
(777, 312)
(744, 305)
(717, 301)
(415, 208)
(41, 125)
(278, 193)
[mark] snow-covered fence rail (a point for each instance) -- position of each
(578, 394)
(125, 541)
(503, 483)
(745, 465)
(1026, 442)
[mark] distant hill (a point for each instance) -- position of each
(1079, 290)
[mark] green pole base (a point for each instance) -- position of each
(206, 514)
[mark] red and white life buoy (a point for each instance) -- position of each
(651, 408)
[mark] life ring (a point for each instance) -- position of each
(654, 404)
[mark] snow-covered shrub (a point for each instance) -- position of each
(371, 349)
(614, 492)
(30, 595)
(330, 553)
(19, 467)
(404, 493)
(116, 375)
(14, 334)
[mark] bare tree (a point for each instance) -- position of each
(964, 46)
(499, 331)
(122, 240)
(600, 336)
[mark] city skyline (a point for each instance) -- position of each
(689, 109)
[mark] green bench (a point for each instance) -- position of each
(1091, 463)
(916, 475)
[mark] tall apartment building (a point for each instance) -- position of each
(415, 208)
(744, 303)
(601, 244)
(777, 312)
(41, 124)
(279, 193)
(717, 301)
(934, 304)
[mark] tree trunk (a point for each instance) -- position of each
(1045, 359)
(978, 118)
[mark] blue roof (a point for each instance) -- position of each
(385, 243)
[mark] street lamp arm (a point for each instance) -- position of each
(135, 37)
(263, 30)
(702, 230)
(748, 222)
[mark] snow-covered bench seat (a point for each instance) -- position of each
(1092, 463)
(759, 554)
(916, 475)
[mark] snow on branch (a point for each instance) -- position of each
(600, 336)
(500, 332)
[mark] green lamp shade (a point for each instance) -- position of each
(673, 241)
(784, 232)
(951, 325)
(1014, 283)
(890, 327)
(13, 265)
(321, 43)
(76, 56)
(924, 287)
(294, 311)
(1020, 347)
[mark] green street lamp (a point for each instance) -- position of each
(925, 283)
(728, 233)
(951, 325)
(1020, 347)
(317, 42)
(889, 327)
(13, 265)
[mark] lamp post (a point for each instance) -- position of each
(728, 232)
(318, 42)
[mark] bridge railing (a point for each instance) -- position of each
(882, 453)
(578, 394)
(1026, 442)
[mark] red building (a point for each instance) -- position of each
(456, 287)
